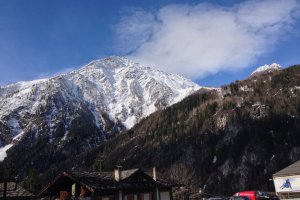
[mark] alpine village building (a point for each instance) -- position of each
(131, 184)
(11, 190)
(287, 182)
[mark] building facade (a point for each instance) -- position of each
(287, 182)
(131, 184)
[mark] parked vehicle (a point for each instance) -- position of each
(253, 195)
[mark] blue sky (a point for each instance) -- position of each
(210, 42)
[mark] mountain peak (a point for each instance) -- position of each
(128, 85)
(112, 62)
(110, 94)
(267, 68)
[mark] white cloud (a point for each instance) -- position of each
(196, 40)
(135, 29)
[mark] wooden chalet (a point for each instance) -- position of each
(13, 191)
(131, 184)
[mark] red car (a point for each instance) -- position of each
(253, 195)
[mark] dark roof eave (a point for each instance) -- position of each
(58, 177)
(111, 184)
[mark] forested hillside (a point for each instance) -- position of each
(223, 140)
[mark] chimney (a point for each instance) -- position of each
(154, 173)
(118, 173)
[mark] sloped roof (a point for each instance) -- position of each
(14, 191)
(96, 181)
(127, 173)
(293, 169)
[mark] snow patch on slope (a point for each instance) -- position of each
(264, 68)
(130, 91)
(3, 151)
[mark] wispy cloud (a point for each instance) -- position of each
(196, 40)
(136, 27)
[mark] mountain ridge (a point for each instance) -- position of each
(115, 93)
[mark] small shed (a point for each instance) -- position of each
(13, 191)
(287, 182)
(133, 184)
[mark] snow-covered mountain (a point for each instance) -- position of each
(267, 68)
(102, 98)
